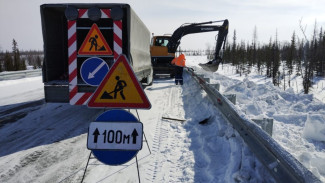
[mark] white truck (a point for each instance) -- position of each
(75, 33)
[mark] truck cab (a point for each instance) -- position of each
(160, 58)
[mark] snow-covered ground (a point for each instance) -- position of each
(299, 119)
(49, 144)
(21, 90)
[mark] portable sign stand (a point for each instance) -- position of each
(125, 140)
(108, 140)
(115, 137)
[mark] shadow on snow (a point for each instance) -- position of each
(22, 128)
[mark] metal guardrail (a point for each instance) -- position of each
(20, 74)
(281, 164)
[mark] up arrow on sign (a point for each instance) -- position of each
(134, 135)
(96, 133)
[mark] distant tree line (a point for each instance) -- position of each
(190, 52)
(306, 57)
(16, 60)
(34, 58)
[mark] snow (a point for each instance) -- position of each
(315, 127)
(21, 90)
(49, 143)
(298, 118)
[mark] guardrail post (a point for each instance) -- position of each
(266, 124)
(231, 98)
(215, 86)
(206, 80)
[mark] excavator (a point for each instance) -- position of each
(161, 52)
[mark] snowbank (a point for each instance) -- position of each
(315, 127)
(299, 119)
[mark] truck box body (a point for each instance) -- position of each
(66, 29)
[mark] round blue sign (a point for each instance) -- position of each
(93, 70)
(115, 157)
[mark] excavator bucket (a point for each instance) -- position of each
(210, 66)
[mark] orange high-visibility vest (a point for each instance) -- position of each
(179, 61)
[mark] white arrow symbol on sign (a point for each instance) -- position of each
(92, 74)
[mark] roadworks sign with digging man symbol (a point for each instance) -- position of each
(120, 89)
(95, 43)
(120, 85)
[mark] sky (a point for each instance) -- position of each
(20, 19)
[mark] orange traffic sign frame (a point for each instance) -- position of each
(95, 43)
(120, 89)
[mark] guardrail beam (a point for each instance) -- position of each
(19, 74)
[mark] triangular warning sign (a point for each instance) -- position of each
(95, 43)
(120, 89)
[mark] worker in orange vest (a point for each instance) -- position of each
(179, 62)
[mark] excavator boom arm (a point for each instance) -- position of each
(199, 28)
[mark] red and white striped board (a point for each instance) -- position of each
(82, 98)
